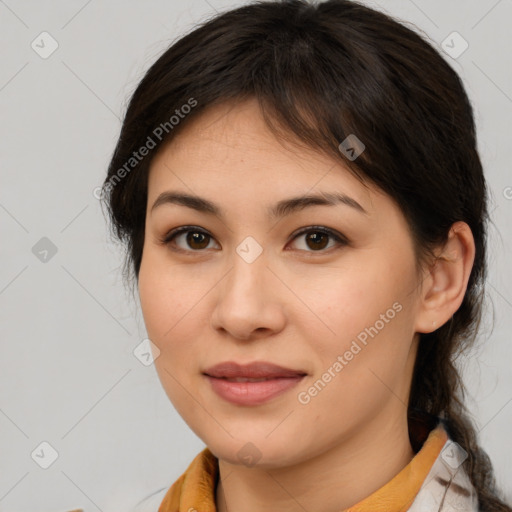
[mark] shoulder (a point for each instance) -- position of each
(151, 502)
(447, 487)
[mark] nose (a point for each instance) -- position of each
(248, 304)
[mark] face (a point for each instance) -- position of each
(328, 291)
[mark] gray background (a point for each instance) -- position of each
(68, 375)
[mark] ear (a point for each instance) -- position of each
(446, 282)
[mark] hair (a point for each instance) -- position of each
(321, 72)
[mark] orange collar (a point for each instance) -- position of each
(195, 488)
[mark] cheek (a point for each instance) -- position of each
(350, 301)
(154, 303)
(165, 295)
(369, 315)
(170, 298)
(166, 298)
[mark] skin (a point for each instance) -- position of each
(296, 305)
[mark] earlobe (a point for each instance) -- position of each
(445, 286)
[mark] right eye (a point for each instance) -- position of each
(196, 239)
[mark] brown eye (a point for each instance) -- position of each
(195, 239)
(317, 239)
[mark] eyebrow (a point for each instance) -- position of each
(280, 209)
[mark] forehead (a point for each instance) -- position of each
(238, 130)
(231, 143)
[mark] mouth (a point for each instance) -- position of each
(251, 392)
(247, 379)
(254, 370)
(252, 384)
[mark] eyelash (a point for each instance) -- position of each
(171, 235)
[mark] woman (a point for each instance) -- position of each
(305, 214)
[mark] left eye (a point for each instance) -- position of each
(197, 239)
(317, 237)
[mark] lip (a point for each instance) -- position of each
(252, 393)
(278, 380)
(255, 370)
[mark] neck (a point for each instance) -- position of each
(332, 481)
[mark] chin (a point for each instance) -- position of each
(262, 454)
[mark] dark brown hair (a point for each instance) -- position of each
(321, 72)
